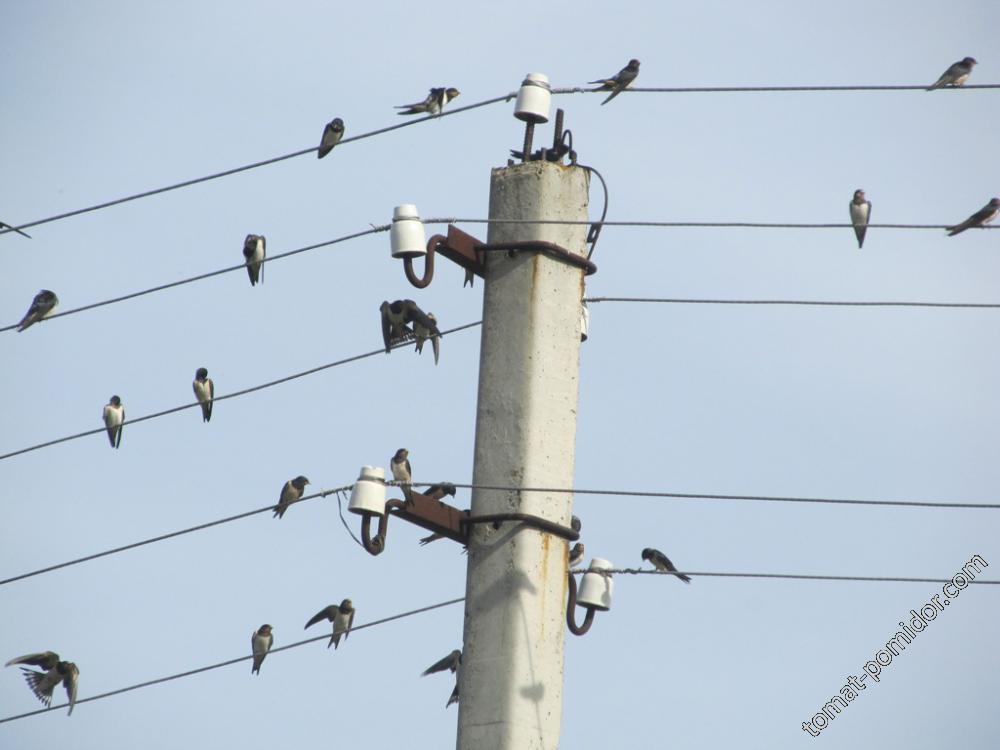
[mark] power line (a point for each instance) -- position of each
(210, 274)
(787, 576)
(229, 662)
(763, 89)
(817, 303)
(164, 537)
(703, 496)
(253, 165)
(235, 394)
(391, 483)
(709, 224)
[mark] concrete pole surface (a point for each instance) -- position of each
(511, 679)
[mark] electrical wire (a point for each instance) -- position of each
(230, 662)
(817, 303)
(787, 576)
(710, 224)
(762, 89)
(253, 165)
(393, 483)
(704, 496)
(170, 535)
(235, 394)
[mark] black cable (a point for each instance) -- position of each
(243, 392)
(819, 303)
(596, 227)
(229, 662)
(761, 89)
(711, 224)
(254, 165)
(697, 496)
(788, 576)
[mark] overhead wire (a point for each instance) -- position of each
(709, 224)
(785, 576)
(507, 488)
(229, 662)
(815, 303)
(457, 110)
(226, 396)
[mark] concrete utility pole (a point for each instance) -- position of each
(512, 666)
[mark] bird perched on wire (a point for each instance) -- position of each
(41, 307)
(982, 217)
(395, 317)
(332, 133)
(453, 663)
(433, 104)
(255, 251)
(5, 225)
(956, 75)
(421, 333)
(204, 391)
(114, 416)
(861, 211)
(618, 83)
(341, 616)
(56, 671)
(290, 493)
(400, 465)
(662, 563)
(260, 644)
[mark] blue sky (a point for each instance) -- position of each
(112, 98)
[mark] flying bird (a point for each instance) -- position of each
(56, 671)
(332, 133)
(956, 75)
(114, 416)
(342, 618)
(400, 465)
(453, 663)
(421, 333)
(662, 563)
(983, 216)
(255, 250)
(204, 391)
(433, 104)
(861, 212)
(396, 315)
(41, 307)
(576, 555)
(260, 643)
(4, 225)
(290, 493)
(620, 82)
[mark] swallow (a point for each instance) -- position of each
(861, 212)
(451, 662)
(204, 391)
(56, 671)
(290, 493)
(433, 104)
(342, 618)
(662, 563)
(576, 555)
(470, 277)
(255, 250)
(5, 225)
(114, 416)
(438, 491)
(260, 644)
(41, 307)
(332, 134)
(421, 333)
(956, 75)
(400, 465)
(982, 217)
(620, 82)
(396, 315)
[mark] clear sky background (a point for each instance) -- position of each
(106, 99)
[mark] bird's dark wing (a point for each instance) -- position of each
(69, 682)
(386, 325)
(327, 613)
(43, 659)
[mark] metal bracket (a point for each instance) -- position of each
(571, 605)
(424, 511)
(542, 524)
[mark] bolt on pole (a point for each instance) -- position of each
(511, 679)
